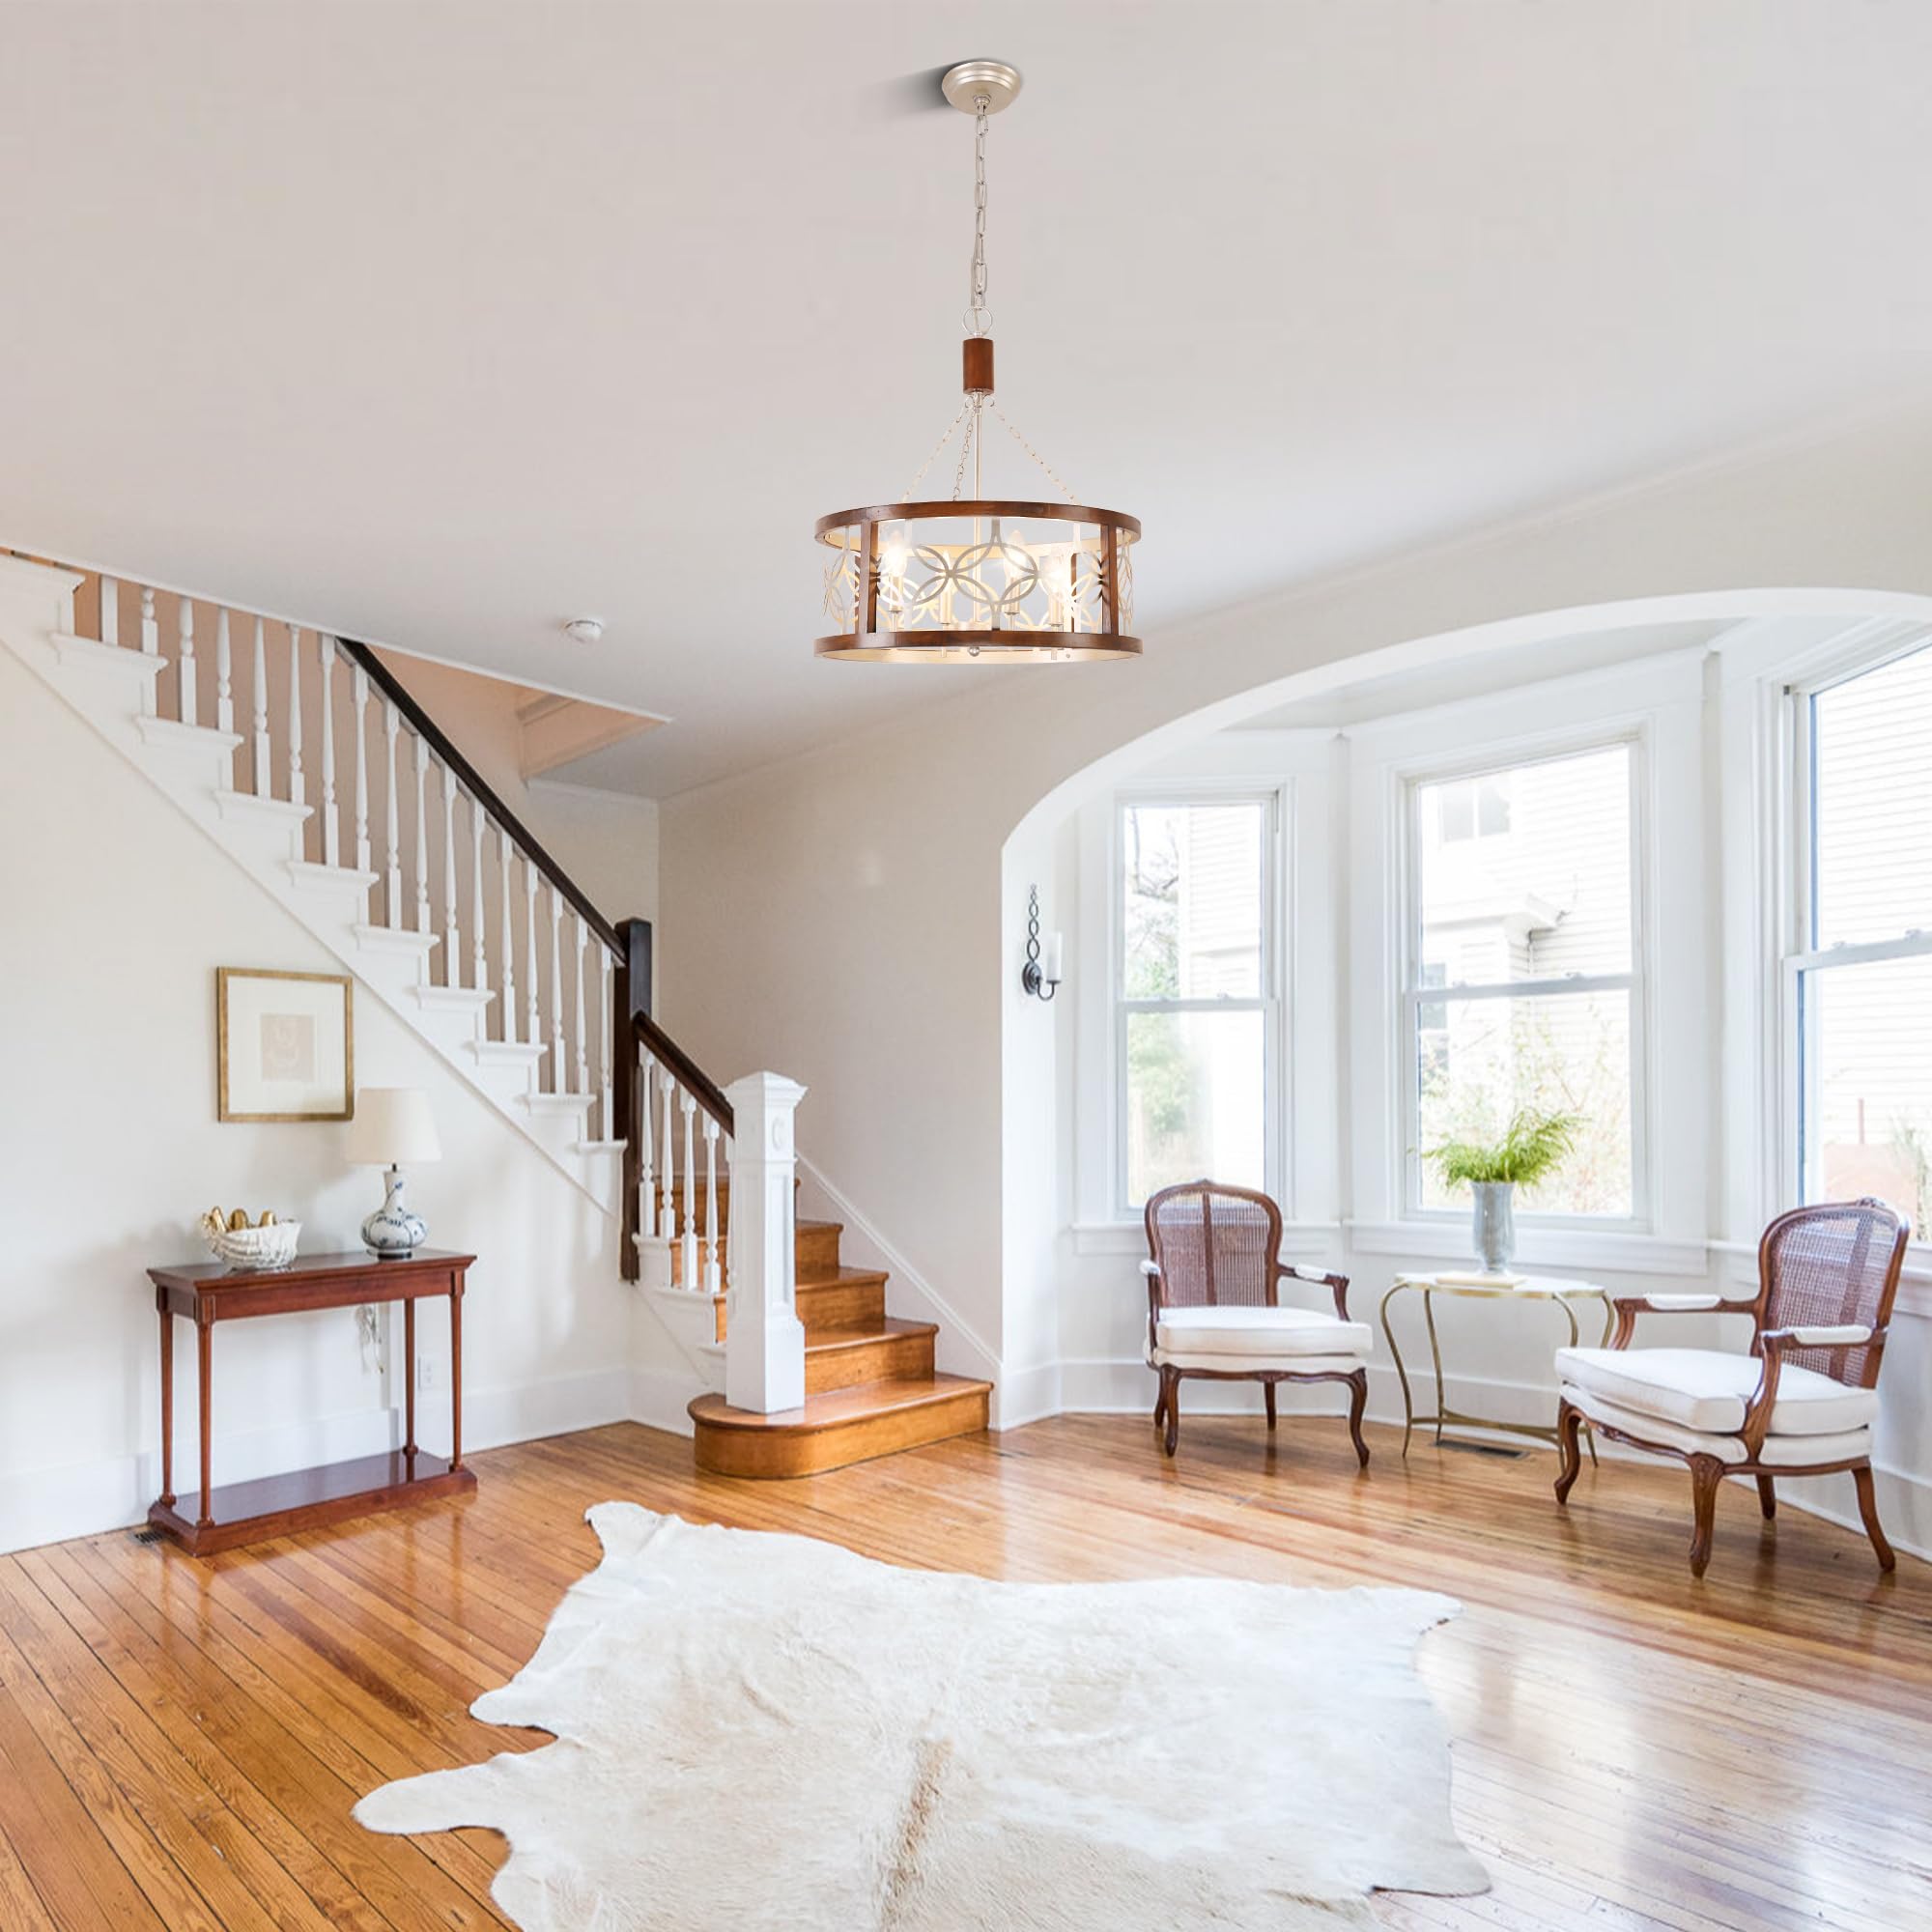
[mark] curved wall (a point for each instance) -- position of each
(855, 918)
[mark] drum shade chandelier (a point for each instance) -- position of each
(963, 579)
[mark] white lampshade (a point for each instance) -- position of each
(392, 1128)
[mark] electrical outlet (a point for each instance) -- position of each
(425, 1373)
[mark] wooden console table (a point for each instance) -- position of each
(210, 1293)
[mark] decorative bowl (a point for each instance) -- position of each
(269, 1247)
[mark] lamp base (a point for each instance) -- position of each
(392, 1232)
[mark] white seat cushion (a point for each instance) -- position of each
(1259, 1335)
(1708, 1389)
(1849, 1446)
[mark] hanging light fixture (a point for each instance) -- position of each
(962, 578)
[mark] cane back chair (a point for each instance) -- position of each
(1802, 1402)
(1213, 1274)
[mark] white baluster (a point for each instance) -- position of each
(422, 832)
(393, 890)
(479, 966)
(151, 646)
(265, 777)
(359, 688)
(559, 1073)
(224, 675)
(452, 958)
(331, 819)
(509, 937)
(110, 610)
(714, 1273)
(184, 663)
(532, 1019)
(582, 1017)
(668, 1181)
(604, 1031)
(297, 795)
(687, 1275)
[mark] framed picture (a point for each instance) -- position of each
(284, 1045)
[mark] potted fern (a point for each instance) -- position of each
(1532, 1145)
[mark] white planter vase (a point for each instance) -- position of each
(1494, 1224)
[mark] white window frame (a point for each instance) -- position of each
(1632, 739)
(1795, 896)
(1660, 701)
(1277, 895)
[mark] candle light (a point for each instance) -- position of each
(1052, 959)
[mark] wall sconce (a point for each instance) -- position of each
(1041, 974)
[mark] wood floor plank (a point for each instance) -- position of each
(180, 1742)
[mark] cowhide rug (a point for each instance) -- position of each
(758, 1732)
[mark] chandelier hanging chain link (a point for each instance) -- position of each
(1054, 476)
(966, 447)
(933, 456)
(979, 320)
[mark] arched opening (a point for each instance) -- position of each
(1607, 797)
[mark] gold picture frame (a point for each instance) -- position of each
(285, 1045)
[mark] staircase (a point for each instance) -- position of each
(869, 1382)
(305, 758)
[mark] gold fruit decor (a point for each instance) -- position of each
(269, 1244)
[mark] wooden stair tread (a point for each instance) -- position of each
(856, 1334)
(837, 1406)
(846, 1277)
(837, 1427)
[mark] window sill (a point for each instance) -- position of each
(1622, 1252)
(1738, 1260)
(1129, 1237)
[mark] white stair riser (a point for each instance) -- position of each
(191, 765)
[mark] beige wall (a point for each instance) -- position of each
(119, 912)
(855, 918)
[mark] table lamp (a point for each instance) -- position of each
(391, 1126)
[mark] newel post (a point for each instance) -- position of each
(764, 1340)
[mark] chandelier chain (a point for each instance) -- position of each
(978, 320)
(911, 489)
(966, 448)
(1054, 476)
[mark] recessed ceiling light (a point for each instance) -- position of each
(584, 630)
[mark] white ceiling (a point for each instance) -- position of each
(444, 323)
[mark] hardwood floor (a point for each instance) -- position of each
(181, 1741)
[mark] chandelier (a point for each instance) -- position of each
(960, 579)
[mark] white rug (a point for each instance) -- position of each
(758, 1732)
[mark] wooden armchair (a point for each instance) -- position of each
(1802, 1402)
(1214, 1310)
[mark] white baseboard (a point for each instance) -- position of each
(53, 1505)
(660, 1401)
(1125, 1386)
(1027, 1395)
(525, 1412)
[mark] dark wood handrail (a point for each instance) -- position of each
(688, 1074)
(433, 735)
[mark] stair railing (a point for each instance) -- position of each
(336, 747)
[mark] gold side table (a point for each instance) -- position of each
(1531, 1288)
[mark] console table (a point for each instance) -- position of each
(211, 1292)
(1524, 1289)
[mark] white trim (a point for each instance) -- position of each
(1299, 769)
(1614, 1250)
(955, 1332)
(1125, 1385)
(1129, 1237)
(1276, 799)
(1659, 714)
